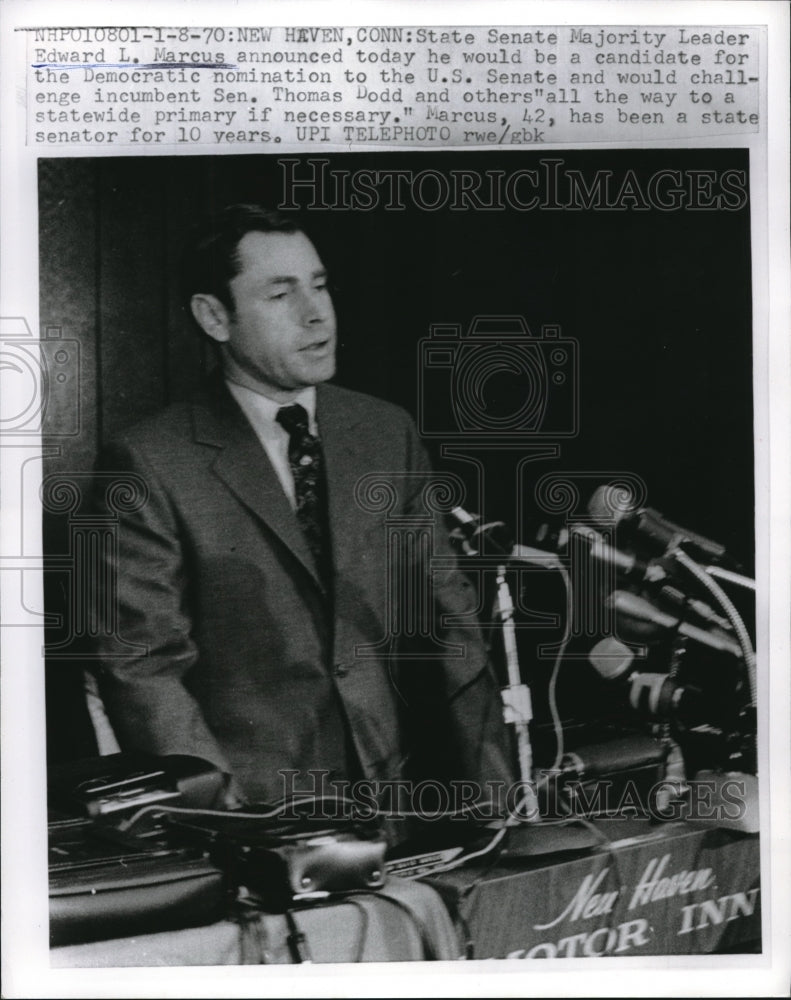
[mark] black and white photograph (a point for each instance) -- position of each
(395, 528)
(390, 570)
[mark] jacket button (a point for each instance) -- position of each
(340, 670)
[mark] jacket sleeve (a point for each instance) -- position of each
(144, 646)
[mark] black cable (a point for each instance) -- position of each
(298, 936)
(607, 845)
(425, 936)
(297, 940)
(233, 814)
(277, 811)
(364, 921)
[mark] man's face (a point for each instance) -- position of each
(281, 335)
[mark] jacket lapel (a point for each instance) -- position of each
(243, 465)
(346, 459)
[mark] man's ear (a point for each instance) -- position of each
(211, 316)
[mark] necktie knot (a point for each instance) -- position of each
(293, 418)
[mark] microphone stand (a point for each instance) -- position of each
(517, 704)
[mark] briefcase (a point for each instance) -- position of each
(105, 883)
(100, 890)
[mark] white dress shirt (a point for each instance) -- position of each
(261, 411)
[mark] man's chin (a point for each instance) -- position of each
(317, 373)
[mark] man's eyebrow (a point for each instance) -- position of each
(280, 279)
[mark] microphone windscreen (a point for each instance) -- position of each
(462, 516)
(606, 505)
(625, 603)
(611, 658)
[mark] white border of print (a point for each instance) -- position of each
(25, 949)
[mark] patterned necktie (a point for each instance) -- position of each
(307, 467)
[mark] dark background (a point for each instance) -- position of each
(659, 303)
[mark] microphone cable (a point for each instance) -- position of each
(730, 611)
(553, 680)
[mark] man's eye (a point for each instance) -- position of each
(321, 286)
(277, 295)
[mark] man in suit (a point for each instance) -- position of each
(255, 580)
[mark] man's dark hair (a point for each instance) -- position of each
(212, 259)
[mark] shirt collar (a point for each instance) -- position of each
(266, 408)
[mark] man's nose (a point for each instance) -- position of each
(313, 305)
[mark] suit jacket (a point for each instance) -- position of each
(243, 659)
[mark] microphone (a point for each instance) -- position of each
(495, 533)
(656, 695)
(699, 608)
(624, 603)
(652, 525)
(598, 548)
(654, 574)
(554, 541)
(499, 542)
(611, 658)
